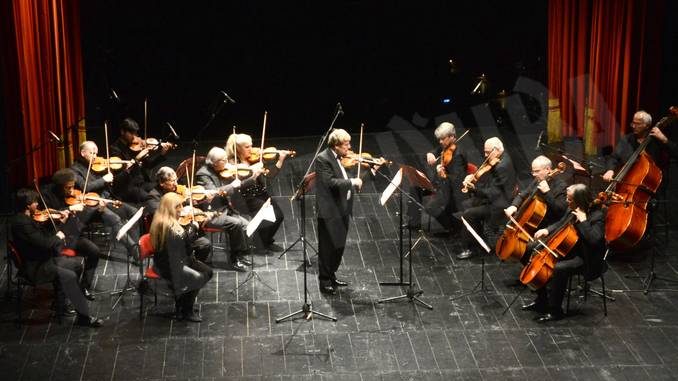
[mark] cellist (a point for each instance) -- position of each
(659, 149)
(491, 189)
(586, 256)
(549, 190)
(448, 177)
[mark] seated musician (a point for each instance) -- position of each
(166, 180)
(209, 176)
(99, 183)
(550, 190)
(659, 149)
(489, 196)
(55, 194)
(62, 187)
(132, 185)
(447, 199)
(585, 257)
(41, 249)
(174, 257)
(252, 193)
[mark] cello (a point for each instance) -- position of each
(513, 241)
(628, 194)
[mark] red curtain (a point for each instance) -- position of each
(599, 54)
(42, 83)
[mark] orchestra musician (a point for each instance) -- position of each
(659, 149)
(253, 193)
(550, 190)
(174, 257)
(334, 203)
(166, 182)
(41, 251)
(132, 185)
(489, 196)
(586, 256)
(447, 199)
(209, 176)
(55, 193)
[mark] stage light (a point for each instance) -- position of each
(481, 87)
(447, 100)
(453, 66)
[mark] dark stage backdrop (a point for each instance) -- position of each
(297, 60)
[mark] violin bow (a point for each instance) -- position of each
(360, 149)
(521, 228)
(37, 189)
(456, 141)
(189, 179)
(263, 134)
(145, 118)
(108, 158)
(235, 151)
(89, 168)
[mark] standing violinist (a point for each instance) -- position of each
(585, 257)
(450, 163)
(166, 180)
(230, 221)
(132, 184)
(253, 193)
(491, 189)
(550, 190)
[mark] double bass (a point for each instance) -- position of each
(513, 241)
(629, 193)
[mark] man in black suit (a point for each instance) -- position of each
(334, 203)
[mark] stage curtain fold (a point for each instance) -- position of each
(43, 78)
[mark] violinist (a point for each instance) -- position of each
(585, 257)
(491, 189)
(166, 180)
(40, 250)
(133, 184)
(450, 163)
(660, 149)
(334, 203)
(54, 194)
(230, 221)
(99, 183)
(551, 190)
(253, 193)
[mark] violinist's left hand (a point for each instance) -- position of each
(543, 186)
(64, 217)
(164, 147)
(108, 177)
(468, 182)
(659, 135)
(580, 214)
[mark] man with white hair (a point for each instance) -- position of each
(659, 149)
(490, 192)
(209, 176)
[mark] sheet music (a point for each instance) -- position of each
(391, 187)
(126, 227)
(266, 212)
(475, 235)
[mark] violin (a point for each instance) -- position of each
(242, 171)
(492, 159)
(90, 199)
(100, 164)
(189, 214)
(196, 192)
(268, 154)
(351, 159)
(46, 215)
(146, 146)
(447, 155)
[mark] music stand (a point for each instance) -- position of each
(415, 178)
(480, 285)
(128, 286)
(265, 213)
(308, 184)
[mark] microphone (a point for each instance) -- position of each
(340, 110)
(226, 97)
(54, 138)
(114, 96)
(174, 133)
(539, 141)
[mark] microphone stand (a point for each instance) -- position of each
(300, 194)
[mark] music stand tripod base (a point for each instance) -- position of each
(411, 296)
(127, 287)
(307, 312)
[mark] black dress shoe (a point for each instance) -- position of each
(328, 289)
(339, 283)
(245, 261)
(550, 317)
(466, 254)
(534, 306)
(238, 266)
(274, 247)
(192, 317)
(89, 321)
(88, 294)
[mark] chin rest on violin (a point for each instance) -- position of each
(351, 159)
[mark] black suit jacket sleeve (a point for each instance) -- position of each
(32, 242)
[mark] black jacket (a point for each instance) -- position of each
(496, 187)
(556, 202)
(659, 152)
(34, 242)
(331, 188)
(95, 182)
(210, 179)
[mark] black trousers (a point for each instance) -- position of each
(186, 301)
(485, 220)
(553, 297)
(266, 231)
(332, 234)
(90, 251)
(439, 204)
(65, 273)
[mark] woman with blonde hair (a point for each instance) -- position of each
(174, 256)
